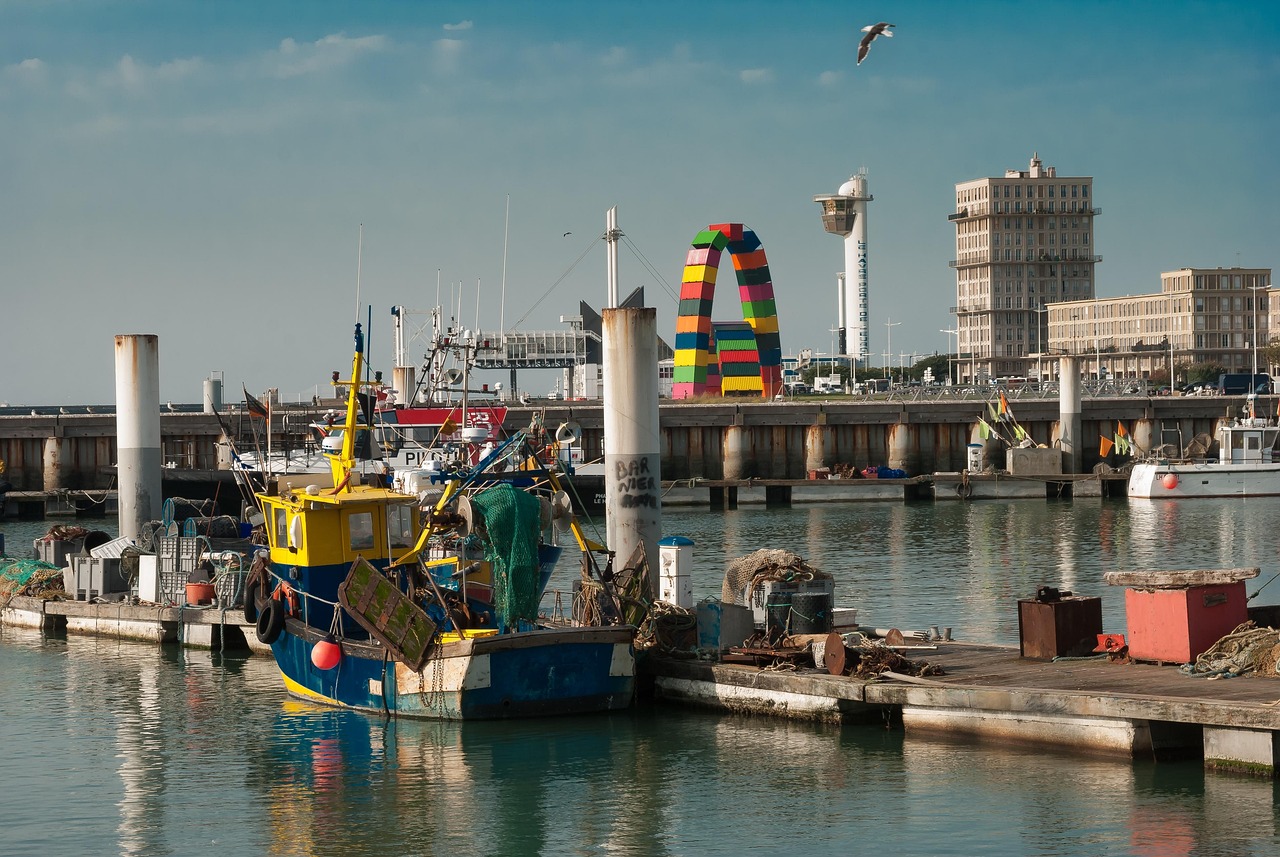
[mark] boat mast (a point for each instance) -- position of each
(342, 463)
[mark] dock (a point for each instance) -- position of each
(219, 629)
(992, 694)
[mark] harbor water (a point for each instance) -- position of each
(125, 748)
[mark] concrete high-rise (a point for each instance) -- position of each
(1023, 240)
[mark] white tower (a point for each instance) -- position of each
(845, 213)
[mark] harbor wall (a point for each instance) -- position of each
(721, 439)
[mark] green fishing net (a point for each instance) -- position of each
(512, 522)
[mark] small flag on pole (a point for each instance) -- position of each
(984, 430)
(253, 406)
(1104, 448)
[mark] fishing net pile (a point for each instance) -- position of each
(512, 527)
(1247, 649)
(623, 599)
(764, 564)
(871, 659)
(28, 577)
(669, 628)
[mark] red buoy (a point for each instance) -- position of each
(1170, 481)
(326, 653)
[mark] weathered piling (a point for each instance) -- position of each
(138, 430)
(633, 444)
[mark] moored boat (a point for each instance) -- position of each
(370, 600)
(1246, 466)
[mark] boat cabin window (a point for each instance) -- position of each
(400, 526)
(360, 530)
(280, 527)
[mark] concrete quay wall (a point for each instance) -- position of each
(721, 439)
(766, 440)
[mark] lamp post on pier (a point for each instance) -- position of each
(950, 367)
(888, 355)
(1042, 336)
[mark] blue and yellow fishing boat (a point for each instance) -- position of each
(426, 604)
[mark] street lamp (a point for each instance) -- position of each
(889, 326)
(1255, 290)
(950, 367)
(1041, 344)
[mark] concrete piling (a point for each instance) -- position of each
(138, 431)
(632, 456)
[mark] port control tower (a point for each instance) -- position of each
(844, 213)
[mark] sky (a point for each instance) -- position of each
(205, 171)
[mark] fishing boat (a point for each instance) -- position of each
(423, 601)
(1246, 465)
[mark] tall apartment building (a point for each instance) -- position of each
(1022, 241)
(1200, 315)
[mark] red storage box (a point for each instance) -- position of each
(1175, 616)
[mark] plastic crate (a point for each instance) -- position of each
(179, 556)
(58, 551)
(92, 577)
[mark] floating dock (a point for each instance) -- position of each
(991, 693)
(220, 629)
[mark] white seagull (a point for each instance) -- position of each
(872, 30)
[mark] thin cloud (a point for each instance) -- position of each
(448, 54)
(461, 25)
(830, 78)
(756, 75)
(29, 72)
(131, 75)
(295, 59)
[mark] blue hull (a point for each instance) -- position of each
(529, 674)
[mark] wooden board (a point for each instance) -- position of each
(1178, 579)
(388, 614)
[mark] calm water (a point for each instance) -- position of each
(125, 748)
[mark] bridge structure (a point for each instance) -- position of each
(725, 439)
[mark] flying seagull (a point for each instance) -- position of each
(872, 30)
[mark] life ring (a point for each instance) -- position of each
(252, 591)
(271, 621)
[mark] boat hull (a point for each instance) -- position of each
(1150, 480)
(529, 674)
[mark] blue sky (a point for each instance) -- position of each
(201, 170)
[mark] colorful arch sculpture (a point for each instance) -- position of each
(747, 367)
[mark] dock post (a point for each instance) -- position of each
(54, 463)
(901, 439)
(1144, 435)
(737, 445)
(138, 431)
(1069, 427)
(633, 444)
(819, 445)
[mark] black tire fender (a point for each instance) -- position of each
(252, 593)
(271, 621)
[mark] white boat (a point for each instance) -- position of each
(1246, 466)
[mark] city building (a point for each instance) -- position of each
(1023, 241)
(1200, 315)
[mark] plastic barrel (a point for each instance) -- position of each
(777, 614)
(811, 613)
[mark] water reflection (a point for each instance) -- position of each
(128, 748)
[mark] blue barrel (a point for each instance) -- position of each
(811, 613)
